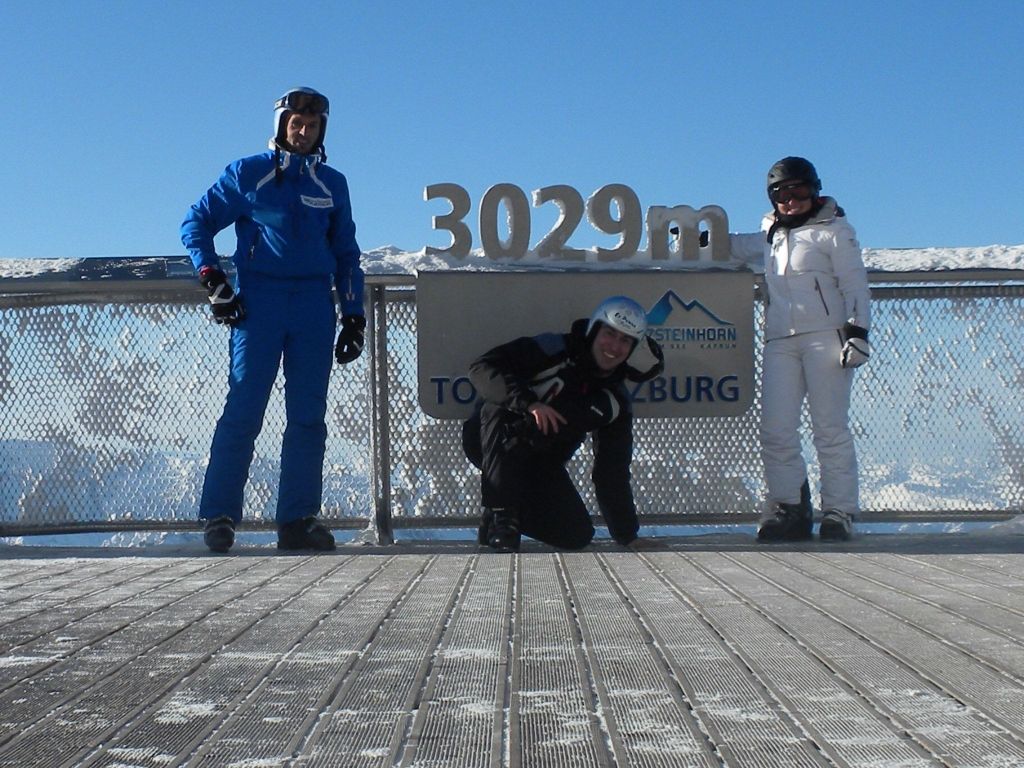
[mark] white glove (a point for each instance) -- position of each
(856, 350)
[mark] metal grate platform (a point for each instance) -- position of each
(891, 650)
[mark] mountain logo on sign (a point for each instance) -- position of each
(659, 313)
(699, 325)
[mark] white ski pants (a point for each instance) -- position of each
(795, 367)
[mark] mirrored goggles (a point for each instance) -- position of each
(796, 190)
(306, 103)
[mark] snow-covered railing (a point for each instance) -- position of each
(112, 378)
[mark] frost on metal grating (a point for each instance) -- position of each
(962, 577)
(461, 720)
(275, 718)
(987, 633)
(926, 673)
(180, 722)
(368, 718)
(738, 716)
(87, 696)
(554, 714)
(912, 690)
(649, 722)
(818, 703)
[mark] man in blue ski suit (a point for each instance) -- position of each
(295, 237)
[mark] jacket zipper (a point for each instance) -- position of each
(817, 287)
(252, 248)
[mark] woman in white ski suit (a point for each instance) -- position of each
(818, 300)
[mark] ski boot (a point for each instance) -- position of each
(305, 533)
(219, 533)
(788, 522)
(503, 531)
(836, 526)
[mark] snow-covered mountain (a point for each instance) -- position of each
(392, 260)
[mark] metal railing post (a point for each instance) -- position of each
(380, 435)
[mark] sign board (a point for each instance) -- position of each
(704, 321)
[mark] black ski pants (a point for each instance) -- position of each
(531, 480)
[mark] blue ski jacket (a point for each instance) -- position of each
(292, 222)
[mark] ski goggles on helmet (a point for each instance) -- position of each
(306, 103)
(792, 190)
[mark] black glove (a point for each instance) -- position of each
(523, 435)
(225, 305)
(856, 351)
(705, 235)
(350, 338)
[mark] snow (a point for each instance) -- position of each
(183, 707)
(390, 260)
(936, 259)
(1015, 525)
(22, 268)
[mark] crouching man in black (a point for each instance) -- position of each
(539, 398)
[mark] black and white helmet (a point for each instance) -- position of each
(621, 313)
(303, 100)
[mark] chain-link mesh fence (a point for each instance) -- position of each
(936, 418)
(108, 404)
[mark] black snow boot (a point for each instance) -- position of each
(503, 533)
(305, 533)
(836, 526)
(789, 522)
(219, 533)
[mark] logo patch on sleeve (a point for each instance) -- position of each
(318, 202)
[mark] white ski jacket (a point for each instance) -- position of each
(814, 274)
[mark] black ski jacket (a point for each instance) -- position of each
(559, 370)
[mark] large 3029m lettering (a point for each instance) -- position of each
(614, 209)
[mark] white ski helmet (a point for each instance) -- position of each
(306, 101)
(621, 313)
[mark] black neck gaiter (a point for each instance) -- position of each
(792, 222)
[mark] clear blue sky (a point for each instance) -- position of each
(119, 114)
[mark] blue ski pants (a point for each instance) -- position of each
(293, 322)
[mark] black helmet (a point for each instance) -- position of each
(307, 101)
(793, 169)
